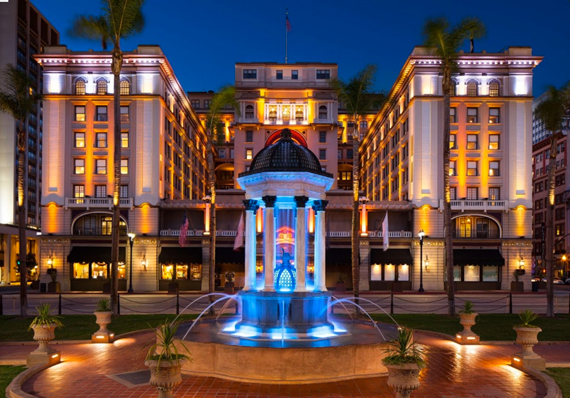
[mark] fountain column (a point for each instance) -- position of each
(300, 234)
(320, 249)
(251, 207)
(269, 236)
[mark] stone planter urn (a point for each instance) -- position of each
(404, 378)
(164, 375)
(44, 354)
(467, 336)
(527, 337)
(103, 335)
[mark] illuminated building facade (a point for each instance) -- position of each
(491, 190)
(24, 32)
(162, 165)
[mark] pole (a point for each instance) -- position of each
(421, 234)
(59, 305)
(286, 31)
(132, 241)
(510, 303)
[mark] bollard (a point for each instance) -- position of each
(177, 304)
(510, 303)
(1, 306)
(118, 304)
(391, 303)
(59, 305)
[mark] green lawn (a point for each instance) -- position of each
(562, 378)
(488, 326)
(80, 327)
(7, 374)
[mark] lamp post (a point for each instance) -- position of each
(421, 234)
(131, 241)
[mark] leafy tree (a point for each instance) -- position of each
(358, 98)
(19, 100)
(552, 111)
(444, 41)
(119, 19)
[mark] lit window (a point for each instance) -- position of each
(472, 88)
(101, 115)
(472, 115)
(494, 168)
(79, 113)
(125, 114)
(472, 168)
(452, 141)
(125, 87)
(299, 114)
(452, 169)
(472, 141)
(494, 193)
(494, 141)
(101, 140)
(80, 87)
(124, 166)
(248, 154)
(101, 166)
(79, 140)
(494, 89)
(101, 87)
(452, 115)
(494, 114)
(79, 191)
(125, 139)
(79, 166)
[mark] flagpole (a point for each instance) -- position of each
(286, 32)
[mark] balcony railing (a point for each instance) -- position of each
(176, 232)
(96, 203)
(485, 205)
(371, 234)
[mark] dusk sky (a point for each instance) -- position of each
(204, 39)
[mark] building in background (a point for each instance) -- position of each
(24, 32)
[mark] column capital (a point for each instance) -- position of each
(301, 201)
(320, 205)
(269, 201)
(251, 204)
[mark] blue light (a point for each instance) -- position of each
(322, 332)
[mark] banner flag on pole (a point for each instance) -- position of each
(385, 232)
(183, 231)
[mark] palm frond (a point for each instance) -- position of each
(357, 95)
(125, 18)
(91, 27)
(16, 96)
(223, 98)
(554, 108)
(445, 41)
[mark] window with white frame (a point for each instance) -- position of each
(472, 168)
(453, 141)
(101, 140)
(101, 87)
(80, 113)
(101, 114)
(472, 193)
(80, 87)
(453, 115)
(248, 154)
(472, 88)
(79, 140)
(79, 166)
(472, 115)
(125, 87)
(494, 89)
(100, 191)
(79, 191)
(472, 141)
(125, 166)
(494, 193)
(124, 139)
(494, 168)
(249, 112)
(494, 115)
(250, 73)
(323, 113)
(100, 166)
(125, 114)
(494, 141)
(452, 169)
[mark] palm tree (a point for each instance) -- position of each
(19, 100)
(552, 111)
(222, 99)
(358, 99)
(119, 19)
(445, 40)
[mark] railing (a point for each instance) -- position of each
(97, 203)
(176, 232)
(485, 205)
(371, 234)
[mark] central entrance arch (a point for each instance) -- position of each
(296, 136)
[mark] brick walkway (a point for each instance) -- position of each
(452, 371)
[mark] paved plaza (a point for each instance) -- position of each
(98, 370)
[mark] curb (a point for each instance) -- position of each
(552, 389)
(14, 389)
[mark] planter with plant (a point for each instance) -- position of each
(103, 314)
(165, 361)
(467, 318)
(44, 325)
(527, 337)
(340, 285)
(404, 362)
(517, 285)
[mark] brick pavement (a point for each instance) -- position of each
(452, 371)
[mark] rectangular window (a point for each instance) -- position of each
(100, 191)
(79, 113)
(322, 136)
(124, 192)
(364, 124)
(250, 73)
(248, 154)
(101, 140)
(472, 168)
(79, 166)
(339, 154)
(472, 141)
(125, 139)
(453, 141)
(207, 104)
(453, 193)
(125, 166)
(494, 114)
(279, 75)
(349, 154)
(125, 114)
(322, 154)
(294, 75)
(323, 74)
(494, 168)
(472, 193)
(101, 114)
(471, 273)
(452, 169)
(79, 191)
(453, 115)
(221, 153)
(495, 193)
(231, 153)
(249, 136)
(494, 141)
(195, 103)
(79, 140)
(472, 115)
(101, 166)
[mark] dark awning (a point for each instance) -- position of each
(93, 254)
(391, 256)
(339, 256)
(228, 255)
(477, 257)
(180, 255)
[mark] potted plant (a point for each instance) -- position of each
(527, 337)
(44, 325)
(467, 318)
(404, 362)
(164, 360)
(517, 285)
(340, 285)
(53, 286)
(103, 314)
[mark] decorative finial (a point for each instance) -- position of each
(286, 134)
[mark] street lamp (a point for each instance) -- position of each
(131, 241)
(421, 234)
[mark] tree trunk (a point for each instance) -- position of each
(212, 184)
(355, 225)
(22, 220)
(549, 239)
(116, 69)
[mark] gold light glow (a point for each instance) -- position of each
(145, 223)
(520, 225)
(363, 221)
(50, 225)
(259, 220)
(207, 219)
(311, 221)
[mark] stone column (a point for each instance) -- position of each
(251, 207)
(269, 235)
(320, 249)
(300, 236)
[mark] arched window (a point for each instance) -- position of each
(299, 114)
(249, 112)
(101, 87)
(80, 87)
(475, 227)
(494, 89)
(323, 114)
(125, 87)
(453, 88)
(472, 88)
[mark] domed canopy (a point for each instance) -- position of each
(285, 155)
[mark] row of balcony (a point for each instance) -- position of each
(97, 203)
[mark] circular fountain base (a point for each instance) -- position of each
(356, 354)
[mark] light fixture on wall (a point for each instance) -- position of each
(50, 262)
(143, 262)
(259, 267)
(426, 264)
(311, 267)
(521, 263)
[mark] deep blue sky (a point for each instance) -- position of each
(204, 39)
